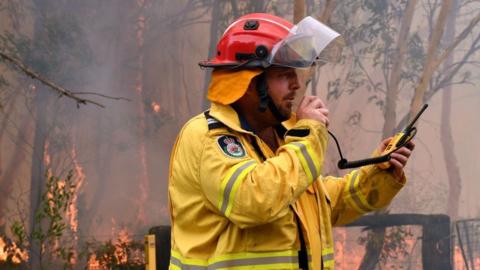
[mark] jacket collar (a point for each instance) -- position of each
(229, 117)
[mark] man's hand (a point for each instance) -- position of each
(399, 158)
(312, 107)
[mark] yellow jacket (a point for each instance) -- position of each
(233, 201)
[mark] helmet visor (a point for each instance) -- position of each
(309, 41)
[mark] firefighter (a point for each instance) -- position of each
(245, 183)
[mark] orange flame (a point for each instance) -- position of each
(155, 107)
(347, 254)
(17, 255)
(458, 259)
(47, 160)
(46, 156)
(340, 236)
(140, 28)
(80, 179)
(123, 239)
(72, 212)
(93, 263)
(3, 253)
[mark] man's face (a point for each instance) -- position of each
(282, 87)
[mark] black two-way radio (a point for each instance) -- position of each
(398, 141)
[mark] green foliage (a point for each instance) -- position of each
(394, 243)
(416, 57)
(58, 49)
(51, 227)
(3, 85)
(51, 233)
(372, 43)
(3, 81)
(119, 254)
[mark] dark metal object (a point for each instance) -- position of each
(468, 234)
(408, 133)
(436, 242)
(162, 245)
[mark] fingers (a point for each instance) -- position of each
(306, 100)
(312, 107)
(317, 103)
(410, 145)
(397, 165)
(384, 144)
(400, 158)
(404, 151)
(324, 111)
(303, 102)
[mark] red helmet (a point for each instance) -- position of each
(248, 41)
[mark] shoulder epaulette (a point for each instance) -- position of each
(212, 122)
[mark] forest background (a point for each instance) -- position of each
(99, 150)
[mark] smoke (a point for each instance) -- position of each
(123, 150)
(144, 51)
(125, 147)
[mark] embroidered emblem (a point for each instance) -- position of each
(231, 146)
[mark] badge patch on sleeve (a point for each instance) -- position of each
(231, 146)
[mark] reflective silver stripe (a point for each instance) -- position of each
(308, 158)
(238, 262)
(231, 182)
(212, 121)
(178, 263)
(254, 262)
(354, 195)
(328, 257)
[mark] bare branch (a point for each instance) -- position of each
(62, 91)
(375, 86)
(430, 61)
(459, 39)
(101, 95)
(327, 11)
(298, 10)
(449, 76)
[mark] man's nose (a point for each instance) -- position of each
(295, 83)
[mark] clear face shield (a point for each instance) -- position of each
(308, 42)
(308, 45)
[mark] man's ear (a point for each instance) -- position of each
(250, 98)
(252, 87)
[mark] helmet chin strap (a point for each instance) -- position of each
(265, 100)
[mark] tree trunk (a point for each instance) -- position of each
(324, 18)
(327, 11)
(214, 30)
(429, 66)
(103, 167)
(415, 106)
(42, 115)
(257, 5)
(3, 126)
(298, 10)
(142, 152)
(376, 237)
(396, 72)
(234, 5)
(37, 171)
(446, 138)
(7, 178)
